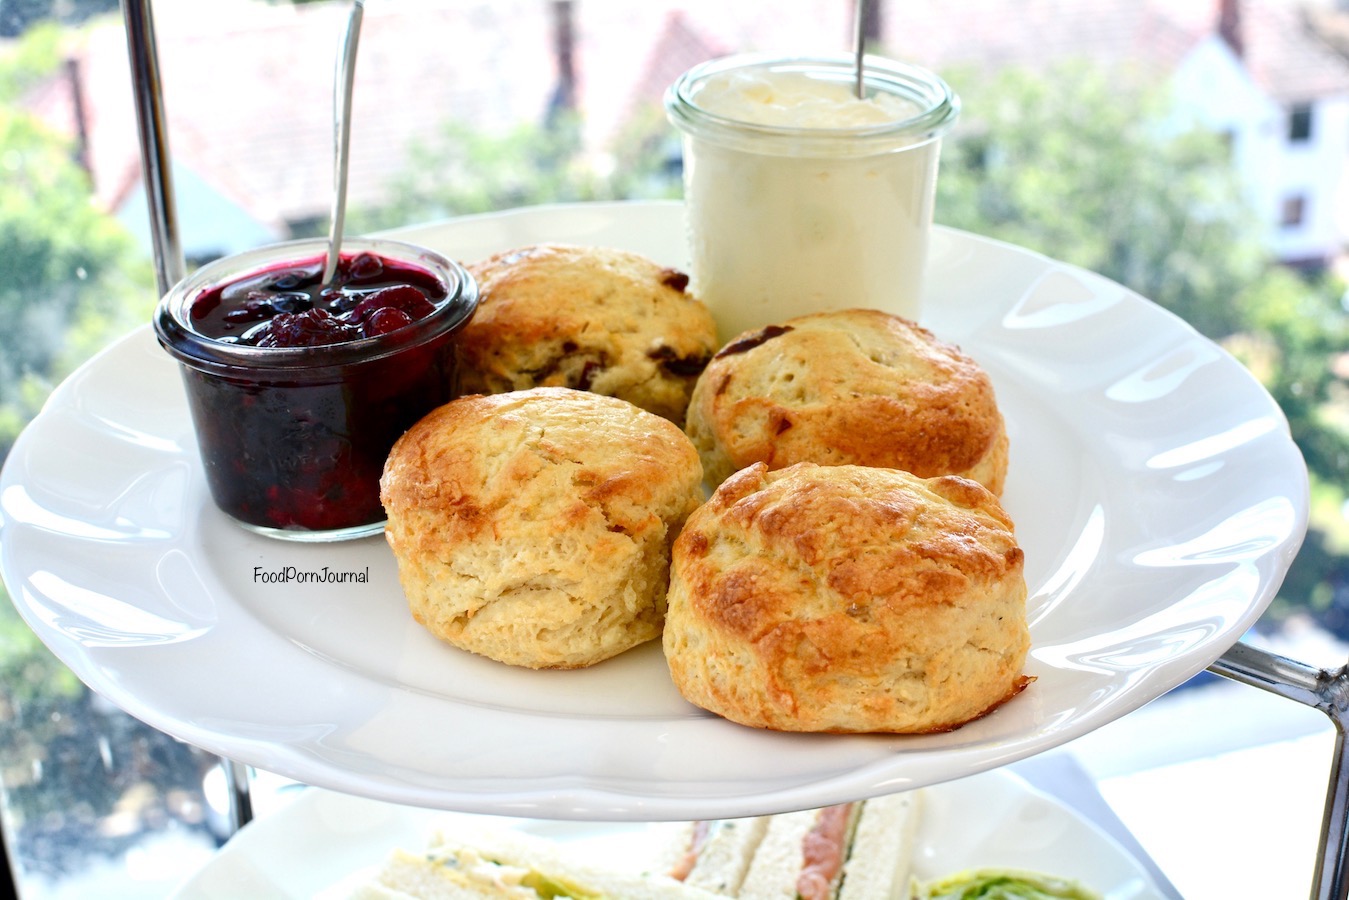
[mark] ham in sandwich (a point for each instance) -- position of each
(851, 851)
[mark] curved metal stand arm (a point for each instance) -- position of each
(1328, 691)
(154, 141)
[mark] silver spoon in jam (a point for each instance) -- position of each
(342, 91)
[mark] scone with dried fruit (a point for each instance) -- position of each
(591, 318)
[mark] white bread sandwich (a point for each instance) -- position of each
(405, 875)
(802, 855)
(715, 854)
(878, 865)
(510, 865)
(851, 851)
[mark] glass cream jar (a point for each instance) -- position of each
(802, 197)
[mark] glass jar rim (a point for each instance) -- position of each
(200, 351)
(939, 105)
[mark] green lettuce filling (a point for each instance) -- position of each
(548, 887)
(1003, 884)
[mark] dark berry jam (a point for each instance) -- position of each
(287, 306)
(298, 390)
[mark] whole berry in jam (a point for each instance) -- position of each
(364, 267)
(384, 320)
(311, 328)
(404, 298)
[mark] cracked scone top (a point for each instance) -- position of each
(847, 599)
(534, 527)
(591, 318)
(855, 386)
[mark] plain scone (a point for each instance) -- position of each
(847, 599)
(856, 386)
(534, 527)
(591, 318)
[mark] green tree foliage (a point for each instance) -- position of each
(19, 16)
(1085, 165)
(466, 170)
(1297, 335)
(29, 61)
(70, 276)
(644, 162)
(1296, 329)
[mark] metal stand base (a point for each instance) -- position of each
(1327, 691)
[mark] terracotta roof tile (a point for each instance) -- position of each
(679, 48)
(249, 100)
(1289, 58)
(995, 33)
(1285, 55)
(248, 85)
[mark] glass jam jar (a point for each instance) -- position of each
(298, 390)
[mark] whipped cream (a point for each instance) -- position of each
(797, 100)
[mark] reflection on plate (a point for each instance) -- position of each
(1157, 495)
(322, 844)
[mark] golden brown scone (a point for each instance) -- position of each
(590, 318)
(856, 386)
(847, 599)
(534, 527)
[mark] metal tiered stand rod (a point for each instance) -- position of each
(1321, 689)
(169, 263)
(1328, 691)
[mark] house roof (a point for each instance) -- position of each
(1294, 58)
(248, 84)
(1153, 35)
(1281, 47)
(248, 92)
(679, 47)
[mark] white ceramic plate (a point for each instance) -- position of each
(1157, 495)
(322, 845)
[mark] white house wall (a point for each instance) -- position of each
(1217, 91)
(1316, 169)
